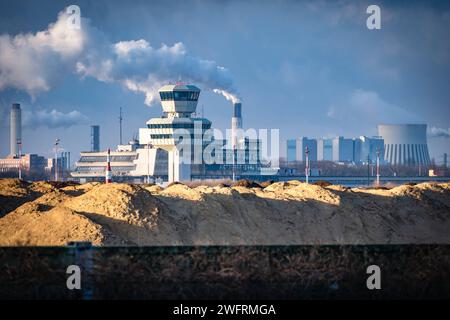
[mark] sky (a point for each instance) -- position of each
(308, 68)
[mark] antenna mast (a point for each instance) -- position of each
(120, 124)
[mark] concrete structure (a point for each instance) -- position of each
(324, 149)
(95, 138)
(367, 147)
(29, 163)
(343, 150)
(15, 125)
(338, 149)
(296, 149)
(405, 144)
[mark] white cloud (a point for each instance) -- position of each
(52, 119)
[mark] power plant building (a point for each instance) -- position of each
(296, 149)
(368, 148)
(338, 149)
(343, 150)
(405, 144)
(325, 149)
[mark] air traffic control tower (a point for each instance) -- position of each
(179, 103)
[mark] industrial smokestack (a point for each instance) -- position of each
(236, 124)
(95, 138)
(15, 125)
(108, 173)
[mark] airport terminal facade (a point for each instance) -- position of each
(157, 156)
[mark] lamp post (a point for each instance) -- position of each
(19, 144)
(378, 166)
(307, 164)
(56, 146)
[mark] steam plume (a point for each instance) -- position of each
(36, 62)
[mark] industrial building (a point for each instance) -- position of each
(338, 149)
(399, 144)
(172, 147)
(324, 149)
(18, 163)
(29, 164)
(343, 150)
(296, 149)
(368, 148)
(405, 144)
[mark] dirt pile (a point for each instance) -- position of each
(282, 213)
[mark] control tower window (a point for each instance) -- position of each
(179, 95)
(193, 96)
(166, 95)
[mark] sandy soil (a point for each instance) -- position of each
(283, 213)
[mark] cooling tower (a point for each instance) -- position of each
(405, 144)
(15, 126)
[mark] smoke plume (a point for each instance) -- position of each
(36, 62)
(435, 132)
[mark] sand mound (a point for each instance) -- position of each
(53, 227)
(283, 213)
(129, 203)
(13, 193)
(179, 190)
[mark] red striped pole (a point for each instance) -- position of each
(108, 174)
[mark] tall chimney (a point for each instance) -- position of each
(95, 138)
(15, 125)
(236, 124)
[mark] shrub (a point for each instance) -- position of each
(322, 183)
(267, 183)
(247, 183)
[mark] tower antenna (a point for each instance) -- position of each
(120, 124)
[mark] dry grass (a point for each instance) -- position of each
(294, 272)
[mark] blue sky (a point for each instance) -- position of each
(309, 68)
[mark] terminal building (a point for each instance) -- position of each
(174, 147)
